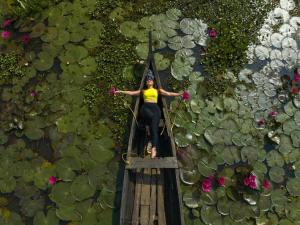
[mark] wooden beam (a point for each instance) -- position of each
(164, 162)
(153, 197)
(137, 197)
(160, 198)
(145, 197)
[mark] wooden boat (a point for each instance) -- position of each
(151, 187)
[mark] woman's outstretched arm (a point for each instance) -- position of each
(137, 92)
(167, 93)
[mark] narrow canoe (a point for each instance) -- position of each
(151, 188)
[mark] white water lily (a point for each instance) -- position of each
(289, 42)
(287, 4)
(275, 54)
(276, 39)
(295, 22)
(262, 52)
(287, 30)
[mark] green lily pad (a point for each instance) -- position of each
(230, 154)
(34, 133)
(91, 42)
(8, 185)
(29, 207)
(209, 215)
(230, 105)
(285, 222)
(278, 197)
(275, 159)
(251, 199)
(117, 14)
(285, 146)
(68, 213)
(142, 50)
(224, 206)
(173, 14)
(50, 34)
(41, 219)
(260, 168)
(61, 194)
(238, 211)
(293, 211)
(297, 118)
(37, 30)
(13, 218)
(89, 65)
(161, 62)
(197, 105)
(264, 203)
(81, 189)
(209, 198)
(190, 201)
(295, 136)
(276, 174)
(249, 154)
(44, 62)
(73, 53)
(129, 28)
(289, 108)
(293, 186)
(288, 126)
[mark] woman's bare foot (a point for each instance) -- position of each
(153, 153)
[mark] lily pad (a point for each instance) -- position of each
(293, 186)
(162, 63)
(209, 215)
(41, 219)
(81, 189)
(37, 30)
(44, 62)
(295, 136)
(173, 14)
(238, 211)
(275, 159)
(61, 194)
(249, 153)
(276, 174)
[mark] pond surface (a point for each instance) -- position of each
(62, 132)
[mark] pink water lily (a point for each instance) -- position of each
(266, 184)
(185, 96)
(221, 181)
(250, 181)
(33, 93)
(25, 38)
(206, 185)
(112, 91)
(295, 90)
(261, 122)
(212, 33)
(6, 22)
(273, 114)
(5, 34)
(52, 180)
(246, 181)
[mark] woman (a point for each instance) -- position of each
(150, 111)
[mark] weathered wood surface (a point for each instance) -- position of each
(164, 162)
(137, 197)
(153, 197)
(145, 197)
(160, 198)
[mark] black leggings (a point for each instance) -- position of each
(150, 113)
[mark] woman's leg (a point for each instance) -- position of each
(154, 129)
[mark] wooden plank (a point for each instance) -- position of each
(153, 197)
(164, 162)
(160, 198)
(137, 197)
(145, 197)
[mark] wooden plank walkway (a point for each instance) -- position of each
(149, 206)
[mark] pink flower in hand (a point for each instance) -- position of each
(52, 180)
(5, 34)
(112, 91)
(266, 184)
(273, 114)
(212, 33)
(25, 38)
(221, 181)
(6, 22)
(185, 96)
(206, 185)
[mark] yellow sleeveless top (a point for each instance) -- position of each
(150, 94)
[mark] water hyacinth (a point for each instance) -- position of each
(25, 39)
(52, 180)
(212, 33)
(112, 91)
(185, 96)
(5, 34)
(206, 185)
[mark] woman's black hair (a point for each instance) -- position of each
(150, 76)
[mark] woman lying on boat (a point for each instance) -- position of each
(150, 111)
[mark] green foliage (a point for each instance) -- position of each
(9, 67)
